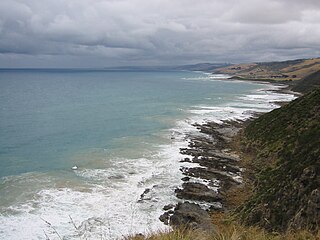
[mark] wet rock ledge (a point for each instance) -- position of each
(212, 170)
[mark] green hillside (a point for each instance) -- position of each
(309, 82)
(286, 145)
(284, 168)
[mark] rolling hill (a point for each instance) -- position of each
(281, 71)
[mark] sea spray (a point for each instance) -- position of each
(102, 197)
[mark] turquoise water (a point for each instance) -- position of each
(47, 116)
(117, 127)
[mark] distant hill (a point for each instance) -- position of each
(285, 149)
(307, 83)
(285, 70)
(206, 67)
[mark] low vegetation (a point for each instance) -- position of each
(281, 197)
(280, 71)
(286, 146)
(308, 83)
(228, 231)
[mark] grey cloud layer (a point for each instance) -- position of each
(118, 32)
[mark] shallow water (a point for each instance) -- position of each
(122, 129)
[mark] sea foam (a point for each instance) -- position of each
(128, 196)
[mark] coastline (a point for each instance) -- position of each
(218, 172)
(153, 178)
(206, 187)
(287, 88)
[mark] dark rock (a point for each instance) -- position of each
(185, 179)
(210, 174)
(167, 207)
(165, 218)
(211, 151)
(222, 164)
(223, 156)
(197, 191)
(186, 160)
(216, 208)
(190, 215)
(142, 196)
(191, 152)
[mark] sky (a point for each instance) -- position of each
(106, 33)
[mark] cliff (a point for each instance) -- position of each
(281, 157)
(285, 149)
(308, 83)
(291, 70)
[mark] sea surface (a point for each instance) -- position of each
(121, 129)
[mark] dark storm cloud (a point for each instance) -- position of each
(127, 32)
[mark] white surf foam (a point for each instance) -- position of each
(107, 204)
(244, 107)
(209, 77)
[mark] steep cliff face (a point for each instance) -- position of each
(286, 146)
(308, 83)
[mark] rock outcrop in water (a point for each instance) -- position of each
(216, 170)
(283, 147)
(191, 214)
(198, 192)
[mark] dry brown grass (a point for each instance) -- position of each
(237, 68)
(228, 230)
(295, 71)
(303, 70)
(234, 231)
(177, 234)
(304, 64)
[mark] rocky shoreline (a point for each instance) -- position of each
(216, 171)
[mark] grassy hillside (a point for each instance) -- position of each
(284, 146)
(207, 67)
(284, 160)
(281, 71)
(309, 82)
(286, 142)
(226, 230)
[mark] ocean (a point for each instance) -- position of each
(121, 129)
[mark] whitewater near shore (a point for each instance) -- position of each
(125, 195)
